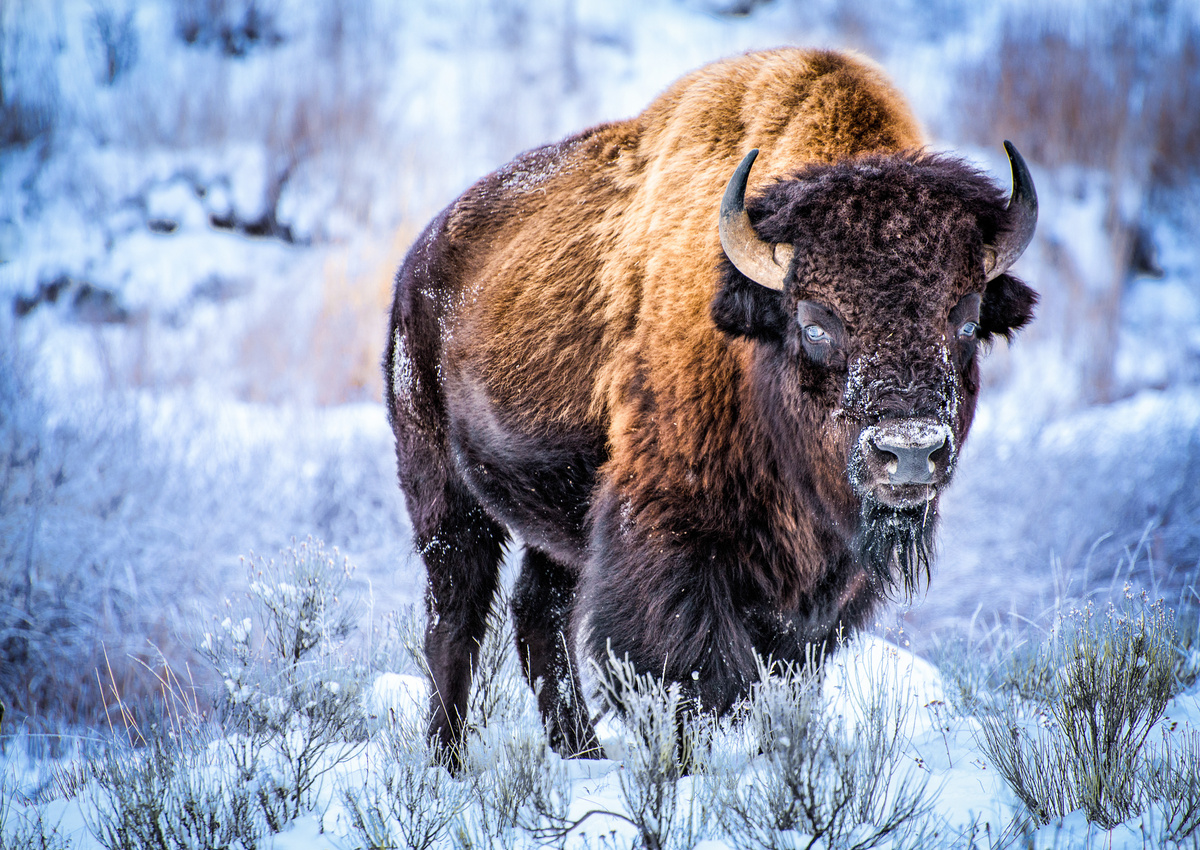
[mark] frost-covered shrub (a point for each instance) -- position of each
(25, 827)
(176, 793)
(507, 783)
(514, 786)
(408, 800)
(981, 673)
(1084, 743)
(825, 780)
(498, 693)
(664, 741)
(290, 696)
(539, 780)
(1173, 783)
(497, 690)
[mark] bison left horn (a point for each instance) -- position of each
(1022, 220)
(762, 262)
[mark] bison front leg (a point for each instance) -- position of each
(667, 600)
(542, 607)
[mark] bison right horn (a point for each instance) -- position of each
(764, 263)
(1022, 220)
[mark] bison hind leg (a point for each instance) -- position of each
(462, 548)
(543, 604)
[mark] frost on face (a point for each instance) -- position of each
(951, 395)
(893, 546)
(856, 385)
(905, 433)
(869, 381)
(913, 433)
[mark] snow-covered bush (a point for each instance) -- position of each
(176, 793)
(824, 779)
(291, 697)
(25, 830)
(514, 786)
(507, 783)
(1173, 785)
(1081, 739)
(407, 799)
(664, 742)
(498, 693)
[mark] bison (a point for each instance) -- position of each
(719, 423)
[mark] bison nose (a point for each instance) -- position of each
(907, 451)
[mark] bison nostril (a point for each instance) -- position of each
(910, 460)
(887, 458)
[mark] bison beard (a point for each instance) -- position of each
(903, 536)
(644, 359)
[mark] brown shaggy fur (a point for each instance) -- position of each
(572, 358)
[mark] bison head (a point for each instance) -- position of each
(873, 283)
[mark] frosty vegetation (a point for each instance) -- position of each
(202, 204)
(309, 737)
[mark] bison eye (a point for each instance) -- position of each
(968, 331)
(822, 334)
(816, 334)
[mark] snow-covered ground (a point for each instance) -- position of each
(200, 218)
(969, 803)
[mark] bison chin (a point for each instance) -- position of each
(893, 545)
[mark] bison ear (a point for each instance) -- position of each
(1007, 307)
(742, 307)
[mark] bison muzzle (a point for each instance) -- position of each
(717, 397)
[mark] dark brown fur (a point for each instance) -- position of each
(571, 357)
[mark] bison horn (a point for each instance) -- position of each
(762, 262)
(1022, 220)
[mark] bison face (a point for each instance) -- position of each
(908, 390)
(872, 284)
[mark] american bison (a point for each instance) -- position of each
(719, 422)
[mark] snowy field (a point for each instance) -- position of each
(898, 764)
(203, 202)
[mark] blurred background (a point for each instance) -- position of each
(203, 203)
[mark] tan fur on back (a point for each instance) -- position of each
(546, 306)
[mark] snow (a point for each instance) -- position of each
(936, 742)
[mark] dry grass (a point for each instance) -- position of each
(331, 353)
(349, 333)
(1115, 90)
(1108, 91)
